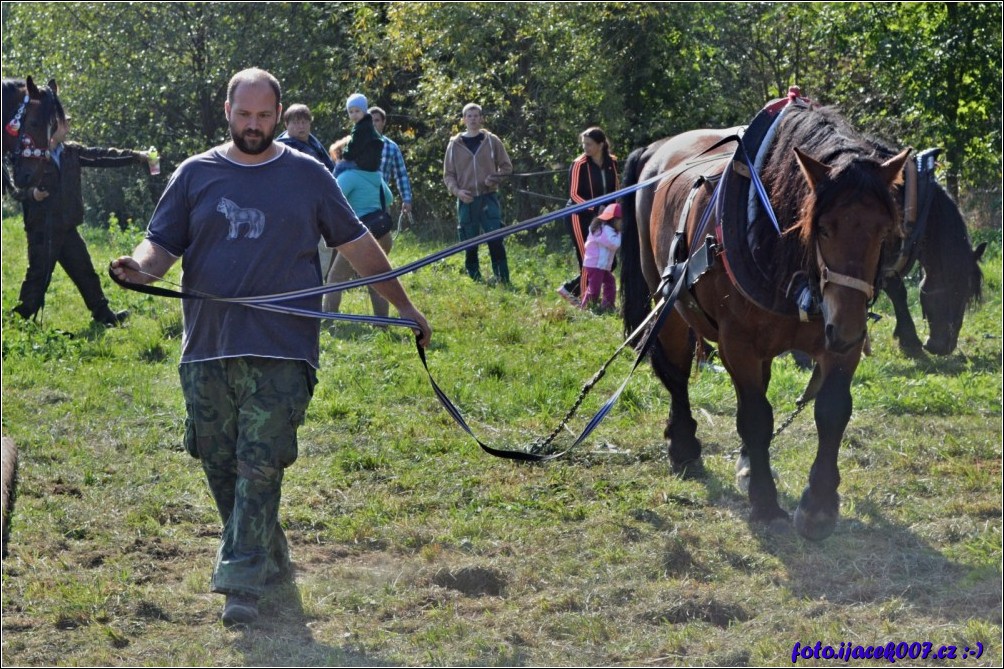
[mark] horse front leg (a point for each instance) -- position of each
(819, 508)
(905, 332)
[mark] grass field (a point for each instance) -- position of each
(412, 547)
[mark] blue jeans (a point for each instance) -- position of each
(482, 215)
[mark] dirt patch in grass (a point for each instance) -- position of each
(61, 488)
(150, 611)
(154, 547)
(696, 607)
(472, 581)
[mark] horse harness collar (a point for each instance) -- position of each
(918, 193)
(739, 195)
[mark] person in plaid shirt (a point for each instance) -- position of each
(392, 164)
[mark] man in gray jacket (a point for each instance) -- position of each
(474, 165)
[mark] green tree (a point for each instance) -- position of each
(158, 74)
(136, 74)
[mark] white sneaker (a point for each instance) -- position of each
(568, 296)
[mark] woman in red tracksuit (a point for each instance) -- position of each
(593, 174)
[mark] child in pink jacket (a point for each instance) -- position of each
(601, 247)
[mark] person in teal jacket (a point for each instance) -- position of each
(367, 193)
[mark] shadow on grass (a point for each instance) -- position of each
(871, 559)
(950, 365)
(281, 637)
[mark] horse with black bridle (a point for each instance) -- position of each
(798, 273)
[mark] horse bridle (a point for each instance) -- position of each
(26, 143)
(826, 275)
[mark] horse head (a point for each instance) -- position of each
(953, 280)
(847, 218)
(31, 127)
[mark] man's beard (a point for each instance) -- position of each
(252, 142)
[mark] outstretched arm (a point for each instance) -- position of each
(366, 256)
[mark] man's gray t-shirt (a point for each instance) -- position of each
(245, 230)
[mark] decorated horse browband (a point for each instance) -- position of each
(13, 128)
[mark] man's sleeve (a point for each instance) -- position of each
(401, 174)
(168, 226)
(449, 174)
(93, 156)
(336, 219)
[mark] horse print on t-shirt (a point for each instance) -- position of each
(254, 218)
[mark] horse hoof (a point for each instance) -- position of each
(689, 469)
(779, 526)
(776, 520)
(743, 474)
(815, 526)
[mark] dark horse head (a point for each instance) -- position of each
(939, 240)
(31, 115)
(952, 281)
(837, 217)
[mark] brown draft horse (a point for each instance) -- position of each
(835, 209)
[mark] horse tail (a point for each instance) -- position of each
(634, 289)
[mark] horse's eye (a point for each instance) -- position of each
(824, 232)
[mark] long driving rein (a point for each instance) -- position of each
(669, 291)
(276, 303)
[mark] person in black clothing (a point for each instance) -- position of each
(593, 174)
(51, 220)
(297, 135)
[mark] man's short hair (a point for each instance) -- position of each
(297, 111)
(377, 110)
(469, 106)
(253, 75)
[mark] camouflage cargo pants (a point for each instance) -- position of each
(243, 414)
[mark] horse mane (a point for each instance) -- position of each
(823, 134)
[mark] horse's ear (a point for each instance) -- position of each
(978, 251)
(892, 169)
(814, 171)
(32, 88)
(53, 86)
